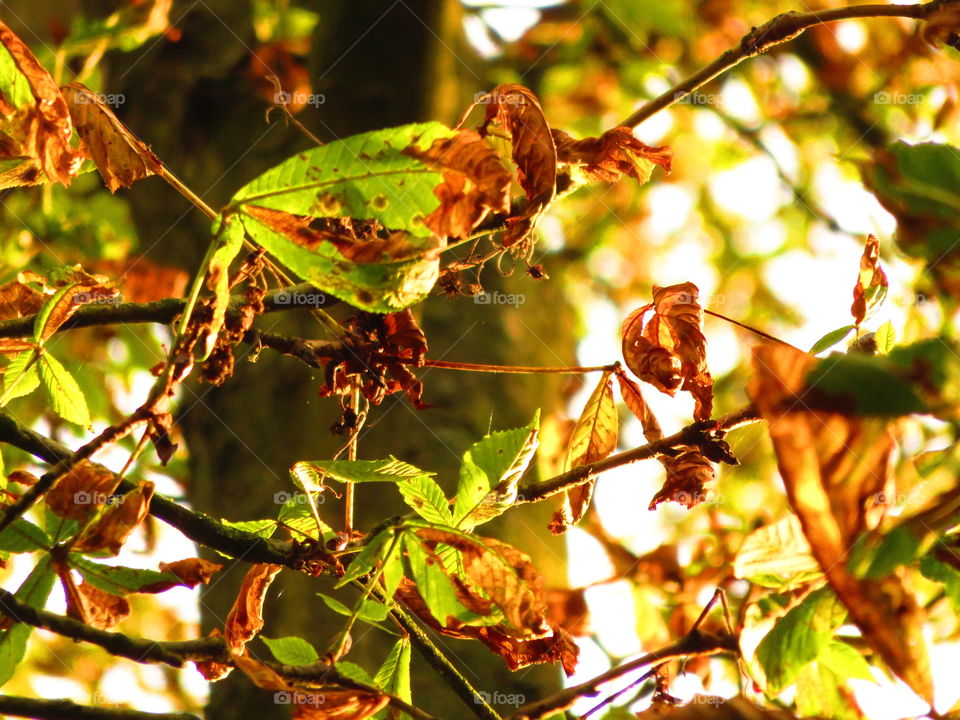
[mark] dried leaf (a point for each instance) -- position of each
(118, 521)
(832, 465)
(246, 617)
(82, 288)
(688, 475)
(617, 152)
(93, 606)
(120, 157)
(475, 182)
(191, 571)
(83, 490)
(633, 399)
(211, 670)
(669, 350)
(567, 608)
(337, 704)
(518, 111)
(39, 133)
(594, 437)
(17, 299)
(871, 287)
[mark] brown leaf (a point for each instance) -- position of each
(337, 704)
(211, 669)
(83, 289)
(687, 477)
(871, 287)
(141, 280)
(832, 466)
(246, 617)
(17, 300)
(120, 157)
(567, 608)
(41, 133)
(517, 652)
(475, 182)
(262, 675)
(118, 521)
(83, 490)
(594, 437)
(93, 606)
(161, 427)
(669, 350)
(634, 401)
(405, 336)
(190, 571)
(617, 152)
(518, 111)
(499, 574)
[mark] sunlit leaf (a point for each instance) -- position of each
(64, 395)
(832, 338)
(13, 641)
(21, 376)
(291, 650)
(871, 288)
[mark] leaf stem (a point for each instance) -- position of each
(759, 333)
(516, 369)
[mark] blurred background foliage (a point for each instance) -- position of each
(766, 210)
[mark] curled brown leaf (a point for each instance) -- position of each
(871, 287)
(246, 617)
(118, 521)
(615, 153)
(84, 489)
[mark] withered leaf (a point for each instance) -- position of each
(475, 182)
(832, 465)
(118, 521)
(83, 490)
(567, 608)
(82, 288)
(617, 152)
(40, 134)
(246, 617)
(120, 157)
(669, 350)
(688, 475)
(213, 670)
(518, 111)
(190, 571)
(594, 437)
(500, 574)
(17, 299)
(93, 606)
(871, 287)
(634, 401)
(337, 704)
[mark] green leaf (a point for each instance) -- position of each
(861, 385)
(434, 585)
(291, 650)
(371, 611)
(491, 471)
(832, 338)
(18, 379)
(389, 470)
(33, 592)
(392, 573)
(23, 536)
(819, 695)
(263, 528)
(228, 242)
(42, 328)
(366, 176)
(366, 560)
(363, 176)
(297, 516)
(394, 675)
(777, 556)
(844, 660)
(886, 338)
(799, 637)
(62, 391)
(354, 672)
(941, 572)
(427, 499)
(119, 580)
(899, 546)
(13, 83)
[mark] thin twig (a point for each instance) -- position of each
(772, 33)
(15, 706)
(536, 490)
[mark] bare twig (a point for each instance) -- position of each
(772, 33)
(14, 706)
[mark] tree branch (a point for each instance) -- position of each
(693, 643)
(166, 311)
(13, 706)
(692, 435)
(200, 528)
(772, 33)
